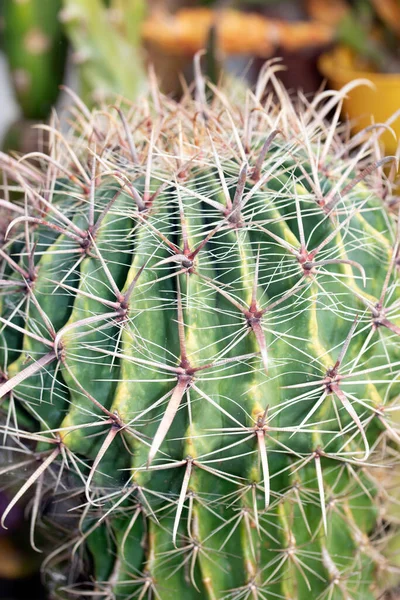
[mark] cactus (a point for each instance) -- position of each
(106, 42)
(36, 50)
(200, 353)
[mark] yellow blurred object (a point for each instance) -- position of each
(185, 32)
(330, 12)
(13, 563)
(389, 12)
(365, 105)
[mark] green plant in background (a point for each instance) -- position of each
(36, 51)
(106, 42)
(35, 48)
(200, 353)
(105, 37)
(371, 28)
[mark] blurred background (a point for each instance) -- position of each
(100, 48)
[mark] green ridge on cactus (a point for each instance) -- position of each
(200, 312)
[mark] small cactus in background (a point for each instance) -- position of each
(35, 48)
(200, 353)
(106, 41)
(36, 51)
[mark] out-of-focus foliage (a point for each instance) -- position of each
(35, 47)
(372, 29)
(106, 40)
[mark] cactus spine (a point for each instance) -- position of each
(200, 355)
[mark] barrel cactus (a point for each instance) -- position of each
(199, 350)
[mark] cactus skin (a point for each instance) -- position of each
(209, 350)
(36, 51)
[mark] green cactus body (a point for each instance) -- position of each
(11, 339)
(44, 393)
(80, 361)
(150, 336)
(214, 356)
